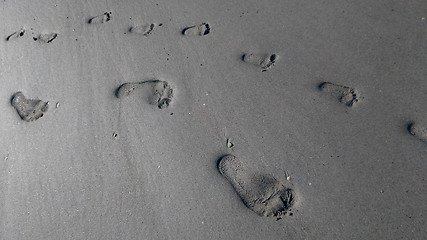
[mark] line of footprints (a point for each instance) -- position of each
(265, 195)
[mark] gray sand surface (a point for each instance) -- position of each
(99, 167)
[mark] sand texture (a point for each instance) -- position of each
(213, 119)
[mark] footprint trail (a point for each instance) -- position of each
(263, 194)
(265, 61)
(418, 131)
(346, 95)
(29, 109)
(160, 92)
(197, 30)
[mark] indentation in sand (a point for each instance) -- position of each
(263, 194)
(265, 61)
(161, 93)
(29, 109)
(197, 30)
(346, 95)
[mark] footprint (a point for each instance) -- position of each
(16, 34)
(106, 17)
(200, 30)
(346, 95)
(264, 195)
(265, 61)
(143, 29)
(161, 93)
(47, 37)
(29, 109)
(418, 131)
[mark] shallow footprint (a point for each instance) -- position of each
(106, 17)
(265, 61)
(161, 93)
(346, 95)
(145, 30)
(16, 34)
(47, 37)
(418, 131)
(197, 30)
(29, 109)
(264, 195)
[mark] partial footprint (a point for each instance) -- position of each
(264, 195)
(106, 17)
(198, 30)
(265, 61)
(346, 95)
(47, 37)
(29, 109)
(161, 93)
(143, 29)
(16, 34)
(418, 131)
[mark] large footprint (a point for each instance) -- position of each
(418, 131)
(346, 95)
(265, 61)
(29, 109)
(161, 92)
(264, 195)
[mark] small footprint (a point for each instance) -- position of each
(263, 194)
(265, 61)
(145, 30)
(346, 95)
(47, 37)
(106, 17)
(29, 109)
(418, 131)
(197, 30)
(161, 92)
(16, 34)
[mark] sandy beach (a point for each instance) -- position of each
(213, 119)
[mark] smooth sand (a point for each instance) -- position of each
(100, 167)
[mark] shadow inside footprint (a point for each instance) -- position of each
(263, 194)
(346, 95)
(161, 93)
(418, 131)
(28, 109)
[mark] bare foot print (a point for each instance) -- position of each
(145, 30)
(47, 37)
(264, 195)
(160, 92)
(29, 109)
(16, 34)
(418, 131)
(346, 95)
(265, 61)
(198, 30)
(106, 17)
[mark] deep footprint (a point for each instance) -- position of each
(29, 109)
(106, 17)
(16, 34)
(418, 131)
(265, 61)
(264, 195)
(197, 30)
(47, 37)
(143, 29)
(161, 92)
(346, 95)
